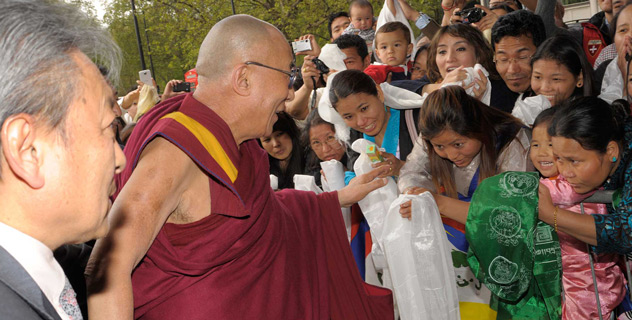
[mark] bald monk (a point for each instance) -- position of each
(244, 252)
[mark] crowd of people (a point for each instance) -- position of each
(267, 192)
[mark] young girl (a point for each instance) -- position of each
(612, 86)
(560, 70)
(284, 151)
(462, 142)
(579, 301)
(360, 103)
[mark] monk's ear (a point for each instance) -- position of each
(21, 149)
(240, 80)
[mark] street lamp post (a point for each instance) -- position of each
(138, 42)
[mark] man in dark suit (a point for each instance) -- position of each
(58, 153)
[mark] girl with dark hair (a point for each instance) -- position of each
(420, 63)
(560, 70)
(616, 75)
(360, 103)
(462, 142)
(284, 151)
(592, 143)
(460, 46)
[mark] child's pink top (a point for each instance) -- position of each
(579, 301)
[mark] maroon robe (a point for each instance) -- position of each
(259, 254)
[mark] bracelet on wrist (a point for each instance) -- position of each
(555, 218)
(448, 8)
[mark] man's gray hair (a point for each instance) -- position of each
(38, 75)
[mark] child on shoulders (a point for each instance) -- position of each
(393, 48)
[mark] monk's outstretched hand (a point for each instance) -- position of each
(361, 185)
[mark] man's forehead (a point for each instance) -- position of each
(341, 20)
(350, 52)
(512, 44)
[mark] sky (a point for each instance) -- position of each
(99, 5)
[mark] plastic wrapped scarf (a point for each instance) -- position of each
(417, 252)
(529, 108)
(511, 252)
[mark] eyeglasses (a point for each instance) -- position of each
(292, 73)
(504, 61)
(331, 141)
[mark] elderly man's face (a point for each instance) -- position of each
(83, 176)
(272, 91)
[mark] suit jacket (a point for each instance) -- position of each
(20, 296)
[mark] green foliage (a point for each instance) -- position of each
(85, 6)
(176, 28)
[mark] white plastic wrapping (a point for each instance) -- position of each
(528, 109)
(472, 73)
(375, 205)
(329, 114)
(398, 98)
(335, 180)
(335, 173)
(333, 57)
(612, 85)
(274, 182)
(306, 183)
(420, 265)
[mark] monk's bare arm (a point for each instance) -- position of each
(152, 193)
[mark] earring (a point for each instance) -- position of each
(614, 159)
(579, 85)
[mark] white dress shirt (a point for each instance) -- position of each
(38, 261)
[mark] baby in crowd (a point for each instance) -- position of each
(578, 299)
(362, 22)
(393, 48)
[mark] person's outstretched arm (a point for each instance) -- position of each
(139, 212)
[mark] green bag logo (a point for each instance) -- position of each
(502, 271)
(518, 184)
(505, 223)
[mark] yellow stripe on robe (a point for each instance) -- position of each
(208, 140)
(478, 311)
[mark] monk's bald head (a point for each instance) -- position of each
(234, 40)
